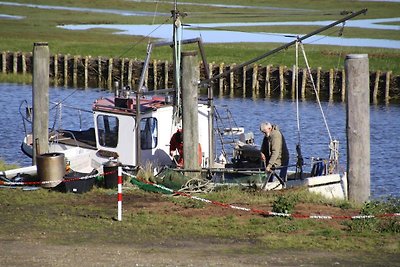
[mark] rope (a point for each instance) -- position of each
(297, 91)
(315, 90)
(196, 185)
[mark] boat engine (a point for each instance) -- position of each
(246, 154)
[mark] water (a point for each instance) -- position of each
(210, 35)
(385, 139)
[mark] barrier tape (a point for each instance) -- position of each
(257, 211)
(267, 213)
(56, 181)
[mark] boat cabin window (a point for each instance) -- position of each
(148, 133)
(107, 127)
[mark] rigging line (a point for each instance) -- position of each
(297, 91)
(324, 36)
(232, 30)
(154, 17)
(127, 50)
(240, 15)
(315, 90)
(144, 37)
(340, 34)
(65, 98)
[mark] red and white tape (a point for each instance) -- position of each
(49, 182)
(270, 213)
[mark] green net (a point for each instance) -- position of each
(149, 187)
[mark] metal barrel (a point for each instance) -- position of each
(50, 169)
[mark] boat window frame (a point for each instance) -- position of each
(107, 131)
(148, 133)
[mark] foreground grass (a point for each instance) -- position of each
(41, 25)
(59, 218)
(68, 219)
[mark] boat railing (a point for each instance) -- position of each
(226, 129)
(58, 115)
(26, 115)
(59, 135)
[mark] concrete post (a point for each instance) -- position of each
(190, 78)
(40, 96)
(357, 126)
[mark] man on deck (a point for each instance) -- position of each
(274, 151)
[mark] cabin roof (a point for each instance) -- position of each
(127, 106)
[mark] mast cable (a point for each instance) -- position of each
(315, 90)
(297, 92)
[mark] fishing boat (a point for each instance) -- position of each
(135, 126)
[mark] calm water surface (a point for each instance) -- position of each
(385, 127)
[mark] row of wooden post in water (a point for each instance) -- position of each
(254, 81)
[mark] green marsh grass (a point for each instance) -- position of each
(41, 25)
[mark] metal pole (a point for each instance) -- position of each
(358, 127)
(138, 96)
(119, 193)
(40, 95)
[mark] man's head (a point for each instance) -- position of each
(265, 128)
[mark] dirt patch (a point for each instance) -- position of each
(182, 253)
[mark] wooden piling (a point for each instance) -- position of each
(65, 70)
(281, 80)
(4, 62)
(146, 78)
(254, 82)
(15, 62)
(130, 69)
(40, 96)
(267, 81)
(155, 74)
(23, 63)
(343, 85)
(244, 74)
(294, 80)
(86, 72)
(232, 81)
(303, 83)
(110, 73)
(69, 73)
(358, 127)
(387, 86)
(55, 63)
(75, 72)
(166, 69)
(122, 72)
(221, 80)
(318, 81)
(99, 67)
(190, 78)
(331, 84)
(376, 87)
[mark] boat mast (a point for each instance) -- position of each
(176, 40)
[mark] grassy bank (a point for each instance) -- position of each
(41, 25)
(68, 219)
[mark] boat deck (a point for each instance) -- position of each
(84, 139)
